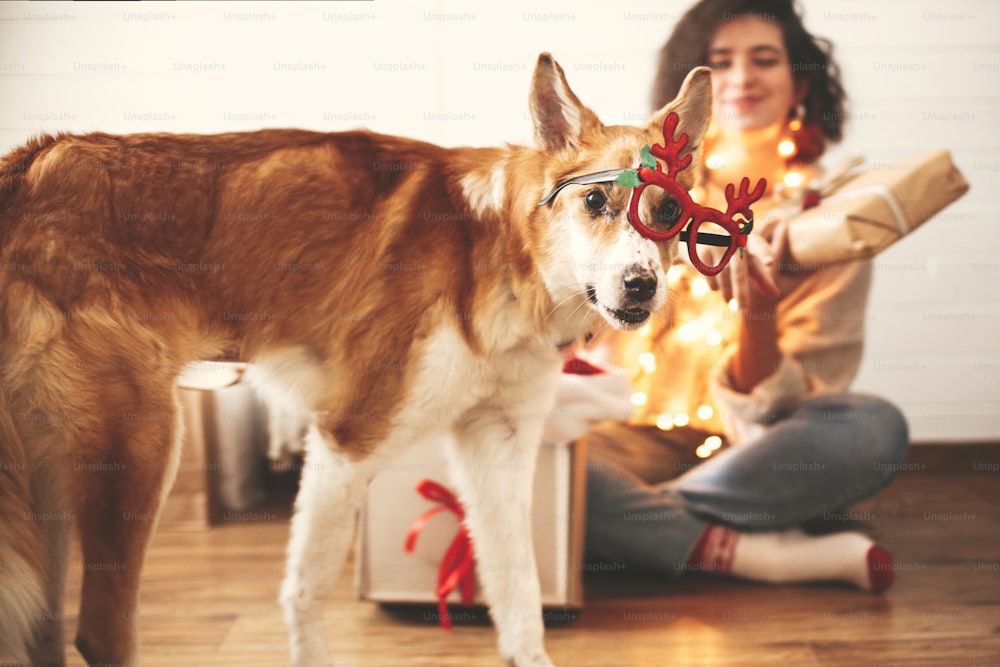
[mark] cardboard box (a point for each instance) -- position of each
(387, 574)
(225, 437)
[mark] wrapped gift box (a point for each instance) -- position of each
(387, 574)
(220, 474)
(862, 214)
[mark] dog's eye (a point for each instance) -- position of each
(668, 213)
(595, 201)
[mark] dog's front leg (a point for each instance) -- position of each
(492, 465)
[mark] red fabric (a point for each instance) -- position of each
(714, 550)
(881, 573)
(809, 144)
(810, 200)
(577, 366)
(456, 570)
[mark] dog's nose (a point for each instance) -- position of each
(640, 284)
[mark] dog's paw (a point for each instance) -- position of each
(536, 659)
(309, 650)
(319, 662)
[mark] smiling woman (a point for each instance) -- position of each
(767, 369)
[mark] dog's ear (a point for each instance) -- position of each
(559, 117)
(693, 106)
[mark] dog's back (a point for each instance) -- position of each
(81, 212)
(289, 237)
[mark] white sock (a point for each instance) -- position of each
(792, 556)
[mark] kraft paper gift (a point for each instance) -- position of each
(860, 215)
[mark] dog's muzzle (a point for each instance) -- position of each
(637, 290)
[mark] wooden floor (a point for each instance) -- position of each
(209, 599)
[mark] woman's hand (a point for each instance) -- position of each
(753, 276)
(751, 281)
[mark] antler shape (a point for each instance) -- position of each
(740, 202)
(690, 216)
(670, 153)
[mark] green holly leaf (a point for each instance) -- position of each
(646, 158)
(629, 178)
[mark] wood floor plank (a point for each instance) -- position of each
(209, 598)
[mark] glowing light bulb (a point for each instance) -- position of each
(713, 442)
(702, 452)
(787, 148)
(692, 331)
(793, 179)
(648, 362)
(664, 422)
(715, 162)
(681, 419)
(733, 305)
(700, 286)
(639, 398)
(713, 337)
(705, 412)
(687, 333)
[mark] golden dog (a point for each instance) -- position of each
(325, 259)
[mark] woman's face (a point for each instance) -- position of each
(752, 82)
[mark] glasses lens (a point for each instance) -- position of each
(661, 212)
(712, 243)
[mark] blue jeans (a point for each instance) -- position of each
(830, 452)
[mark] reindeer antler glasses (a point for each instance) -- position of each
(678, 214)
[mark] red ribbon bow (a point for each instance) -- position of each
(456, 569)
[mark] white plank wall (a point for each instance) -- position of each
(922, 75)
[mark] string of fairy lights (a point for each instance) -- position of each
(705, 322)
(699, 337)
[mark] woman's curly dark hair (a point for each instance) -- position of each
(811, 58)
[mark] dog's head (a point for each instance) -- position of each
(591, 248)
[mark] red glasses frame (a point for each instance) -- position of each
(692, 215)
